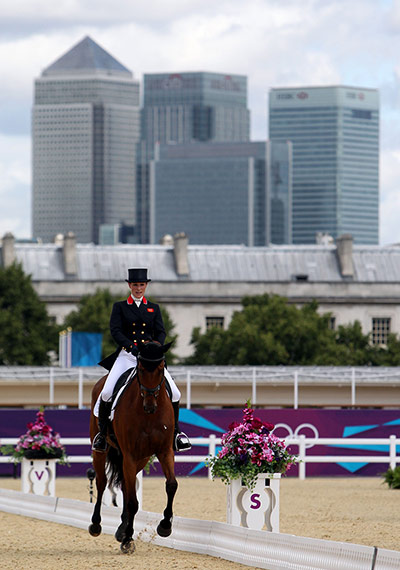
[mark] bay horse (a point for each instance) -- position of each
(143, 426)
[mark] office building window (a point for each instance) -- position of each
(214, 322)
(380, 330)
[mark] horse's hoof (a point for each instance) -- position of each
(128, 547)
(164, 532)
(94, 529)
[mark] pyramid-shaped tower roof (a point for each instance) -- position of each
(87, 58)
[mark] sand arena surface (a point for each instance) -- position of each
(358, 510)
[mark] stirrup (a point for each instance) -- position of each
(99, 443)
(182, 442)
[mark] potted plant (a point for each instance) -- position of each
(251, 462)
(249, 448)
(39, 442)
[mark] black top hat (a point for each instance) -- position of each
(137, 275)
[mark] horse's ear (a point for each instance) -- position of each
(166, 347)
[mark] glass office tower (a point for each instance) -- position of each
(222, 193)
(335, 137)
(188, 108)
(85, 130)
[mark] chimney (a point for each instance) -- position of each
(8, 252)
(69, 254)
(180, 253)
(344, 249)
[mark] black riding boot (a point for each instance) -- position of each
(181, 440)
(100, 439)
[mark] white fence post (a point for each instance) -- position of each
(254, 387)
(211, 450)
(188, 389)
(353, 387)
(296, 390)
(392, 451)
(302, 457)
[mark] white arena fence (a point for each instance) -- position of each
(350, 378)
(257, 548)
(303, 443)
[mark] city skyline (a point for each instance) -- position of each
(335, 136)
(309, 43)
(85, 128)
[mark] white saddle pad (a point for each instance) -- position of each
(97, 404)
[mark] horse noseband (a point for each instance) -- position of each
(144, 391)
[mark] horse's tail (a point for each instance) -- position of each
(114, 467)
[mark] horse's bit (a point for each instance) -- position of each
(144, 391)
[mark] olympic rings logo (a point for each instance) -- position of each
(296, 433)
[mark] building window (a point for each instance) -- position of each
(380, 330)
(214, 322)
(332, 323)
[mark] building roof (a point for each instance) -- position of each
(283, 263)
(86, 57)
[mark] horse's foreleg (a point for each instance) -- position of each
(124, 533)
(171, 484)
(99, 464)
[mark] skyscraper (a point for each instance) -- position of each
(222, 193)
(186, 108)
(85, 129)
(335, 137)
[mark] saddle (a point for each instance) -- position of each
(123, 382)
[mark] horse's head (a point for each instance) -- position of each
(150, 373)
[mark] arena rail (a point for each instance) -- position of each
(344, 386)
(302, 442)
(257, 548)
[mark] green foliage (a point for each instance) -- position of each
(169, 326)
(26, 331)
(392, 477)
(93, 315)
(270, 331)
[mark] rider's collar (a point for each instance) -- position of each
(130, 300)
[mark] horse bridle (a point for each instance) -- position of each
(144, 391)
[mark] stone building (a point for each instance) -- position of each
(202, 285)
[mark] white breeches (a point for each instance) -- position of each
(124, 361)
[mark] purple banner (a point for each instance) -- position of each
(348, 424)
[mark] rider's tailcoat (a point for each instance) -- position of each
(131, 326)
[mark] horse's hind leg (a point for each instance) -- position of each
(164, 528)
(99, 464)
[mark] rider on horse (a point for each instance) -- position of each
(133, 322)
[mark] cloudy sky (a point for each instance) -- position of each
(275, 43)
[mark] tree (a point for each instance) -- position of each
(93, 315)
(27, 334)
(270, 331)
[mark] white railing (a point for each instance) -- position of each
(302, 442)
(253, 377)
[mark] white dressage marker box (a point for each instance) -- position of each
(38, 476)
(258, 508)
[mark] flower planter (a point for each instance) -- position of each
(38, 476)
(56, 453)
(257, 508)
